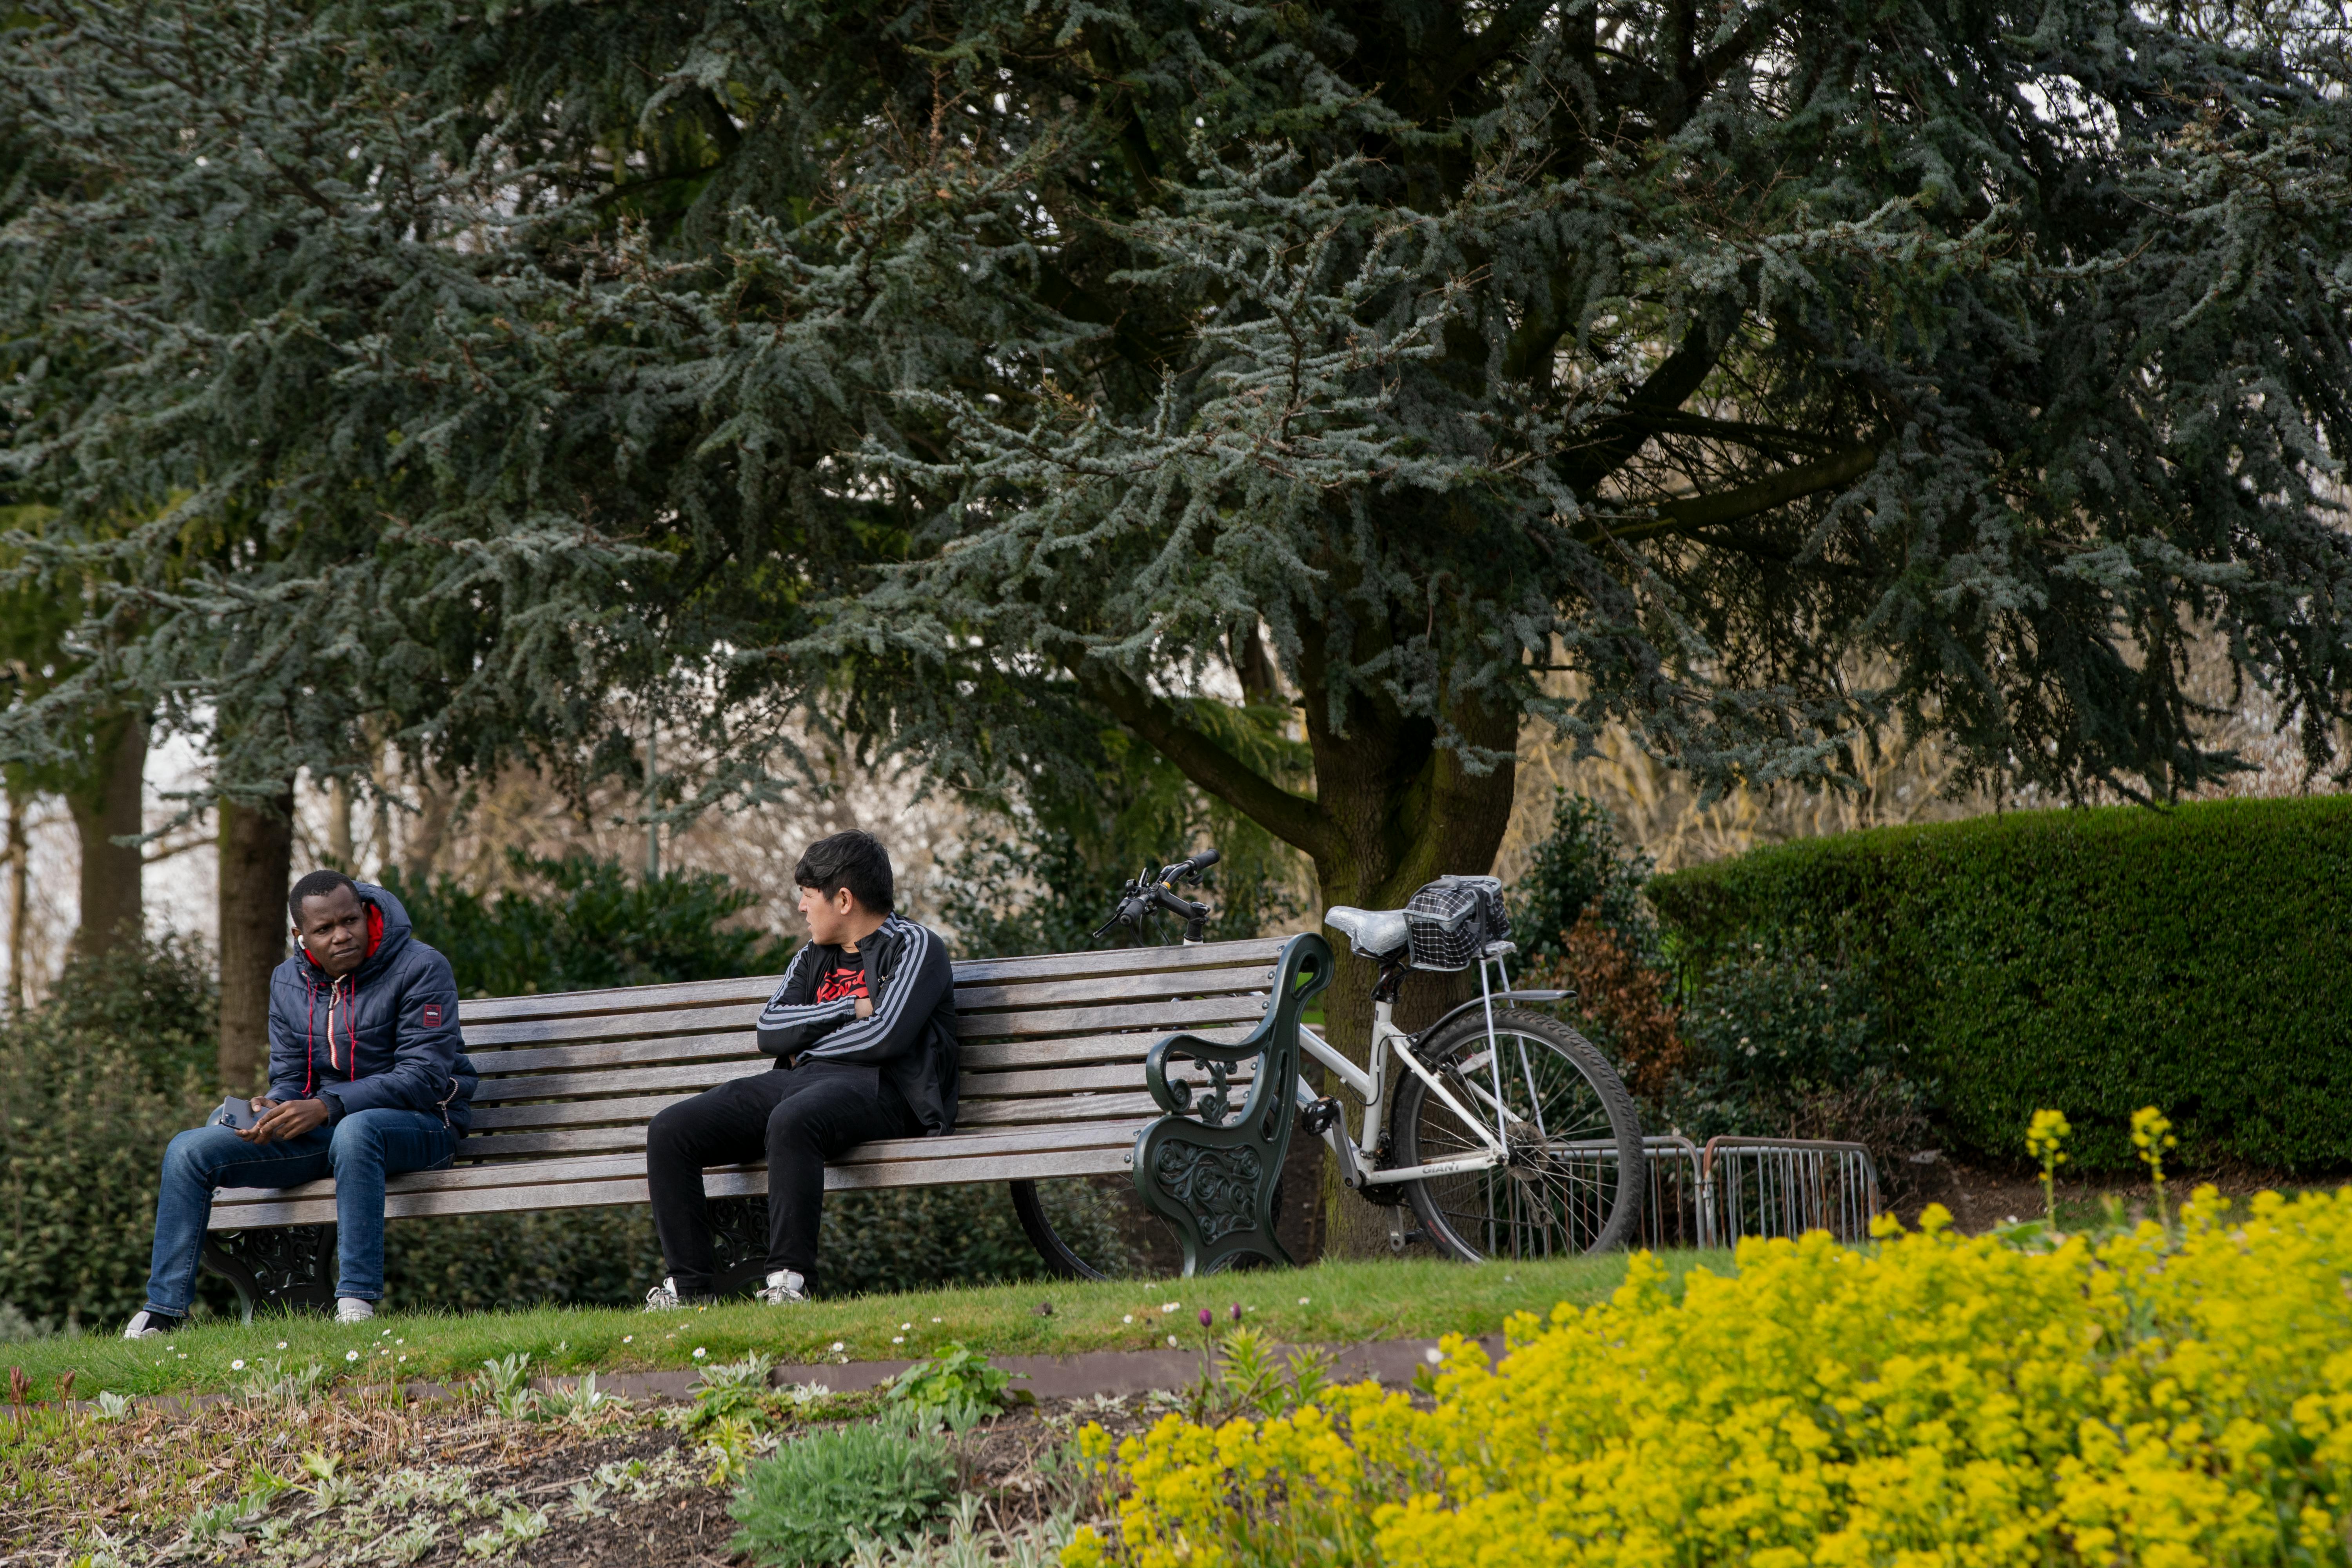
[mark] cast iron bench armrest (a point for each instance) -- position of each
(1215, 1180)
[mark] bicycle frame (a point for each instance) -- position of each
(1359, 1158)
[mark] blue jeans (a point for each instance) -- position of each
(359, 1151)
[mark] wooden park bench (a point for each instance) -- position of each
(1052, 1086)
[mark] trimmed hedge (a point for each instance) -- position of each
(2197, 959)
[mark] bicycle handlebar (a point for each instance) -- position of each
(1139, 898)
(1185, 870)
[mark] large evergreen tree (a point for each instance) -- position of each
(987, 373)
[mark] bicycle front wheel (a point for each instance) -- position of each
(1573, 1179)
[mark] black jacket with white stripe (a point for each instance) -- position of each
(911, 1035)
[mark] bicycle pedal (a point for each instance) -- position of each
(1316, 1118)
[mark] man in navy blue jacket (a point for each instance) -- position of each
(367, 1079)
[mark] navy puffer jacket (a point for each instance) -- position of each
(384, 1035)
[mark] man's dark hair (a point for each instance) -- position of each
(317, 885)
(855, 860)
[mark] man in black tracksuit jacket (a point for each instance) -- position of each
(863, 1031)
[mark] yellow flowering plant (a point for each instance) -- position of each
(2045, 1140)
(2151, 1134)
(2165, 1399)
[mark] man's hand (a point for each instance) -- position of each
(285, 1118)
(864, 1008)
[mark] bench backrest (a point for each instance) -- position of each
(1055, 1038)
(1052, 1081)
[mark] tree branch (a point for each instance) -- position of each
(1295, 819)
(1745, 500)
(1618, 437)
(1501, 35)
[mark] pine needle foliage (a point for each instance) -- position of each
(980, 371)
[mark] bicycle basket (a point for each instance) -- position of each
(1452, 919)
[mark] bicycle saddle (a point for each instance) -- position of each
(1373, 933)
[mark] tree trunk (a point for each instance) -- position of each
(339, 827)
(257, 859)
(1407, 811)
(108, 807)
(19, 898)
(426, 833)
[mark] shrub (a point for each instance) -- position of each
(160, 1000)
(93, 1083)
(1932, 1400)
(580, 924)
(1023, 888)
(1626, 1003)
(904, 1239)
(2199, 958)
(1786, 1046)
(818, 1493)
(82, 1130)
(489, 1262)
(1770, 1043)
(919, 1238)
(1582, 871)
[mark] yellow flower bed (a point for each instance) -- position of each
(1933, 1399)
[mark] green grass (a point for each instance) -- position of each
(1331, 1303)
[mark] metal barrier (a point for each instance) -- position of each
(1712, 1196)
(1782, 1186)
(1673, 1214)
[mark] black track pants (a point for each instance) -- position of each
(798, 1119)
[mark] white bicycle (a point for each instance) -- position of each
(1505, 1131)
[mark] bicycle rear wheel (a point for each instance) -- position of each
(1573, 1183)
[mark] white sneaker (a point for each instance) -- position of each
(352, 1310)
(150, 1325)
(664, 1298)
(783, 1288)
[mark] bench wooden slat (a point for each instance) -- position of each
(555, 1141)
(1026, 1078)
(1029, 1084)
(1126, 988)
(616, 1053)
(231, 1204)
(678, 1021)
(493, 1119)
(749, 990)
(1073, 1107)
(980, 1056)
(618, 1080)
(1049, 1166)
(1161, 1016)
(570, 1112)
(632, 1136)
(755, 990)
(1118, 961)
(1132, 1042)
(1149, 1014)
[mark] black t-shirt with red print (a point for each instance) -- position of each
(845, 979)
